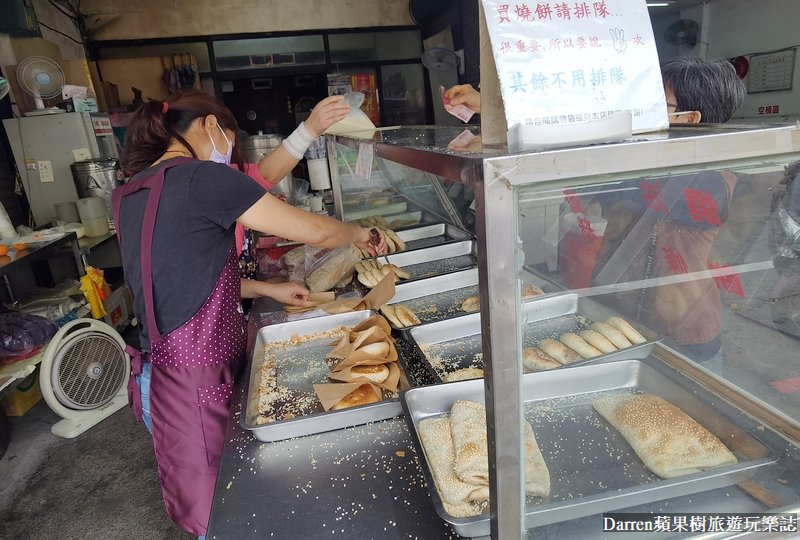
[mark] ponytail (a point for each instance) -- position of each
(156, 124)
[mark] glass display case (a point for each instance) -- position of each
(639, 310)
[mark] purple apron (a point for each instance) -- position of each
(193, 371)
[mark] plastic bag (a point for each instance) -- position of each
(356, 123)
(327, 271)
(21, 333)
(318, 269)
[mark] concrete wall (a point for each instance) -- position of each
(142, 19)
(70, 49)
(744, 27)
(730, 28)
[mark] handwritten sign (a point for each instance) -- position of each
(573, 62)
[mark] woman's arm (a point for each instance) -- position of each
(280, 162)
(286, 293)
(273, 216)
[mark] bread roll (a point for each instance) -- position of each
(377, 275)
(559, 351)
(468, 424)
(399, 272)
(406, 315)
(401, 246)
(360, 268)
(531, 291)
(366, 280)
(612, 334)
(389, 312)
(437, 441)
(473, 303)
(597, 340)
(535, 360)
(360, 396)
(390, 245)
(464, 374)
(577, 344)
(376, 374)
(630, 332)
(379, 349)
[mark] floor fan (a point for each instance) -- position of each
(84, 375)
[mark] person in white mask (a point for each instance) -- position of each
(175, 221)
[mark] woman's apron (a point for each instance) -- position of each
(193, 371)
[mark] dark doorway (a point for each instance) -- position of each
(274, 103)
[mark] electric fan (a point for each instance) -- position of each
(43, 79)
(84, 375)
(443, 59)
(683, 32)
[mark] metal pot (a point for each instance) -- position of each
(258, 146)
(97, 178)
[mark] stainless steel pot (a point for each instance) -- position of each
(255, 148)
(97, 178)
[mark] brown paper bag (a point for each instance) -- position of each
(358, 358)
(331, 394)
(390, 384)
(380, 332)
(375, 299)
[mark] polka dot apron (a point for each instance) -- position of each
(193, 371)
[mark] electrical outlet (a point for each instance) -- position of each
(46, 171)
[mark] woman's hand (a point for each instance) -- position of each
(288, 293)
(325, 114)
(465, 94)
(365, 244)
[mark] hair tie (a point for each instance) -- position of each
(165, 108)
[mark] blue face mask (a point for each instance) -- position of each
(216, 156)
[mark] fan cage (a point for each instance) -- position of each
(33, 66)
(73, 384)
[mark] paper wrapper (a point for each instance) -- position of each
(380, 332)
(331, 394)
(390, 384)
(375, 299)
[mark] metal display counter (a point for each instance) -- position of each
(660, 228)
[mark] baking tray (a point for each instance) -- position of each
(592, 468)
(455, 344)
(299, 368)
(440, 297)
(432, 235)
(437, 260)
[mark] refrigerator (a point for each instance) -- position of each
(45, 146)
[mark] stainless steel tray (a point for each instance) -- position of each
(440, 297)
(454, 344)
(592, 468)
(432, 235)
(385, 210)
(299, 367)
(437, 260)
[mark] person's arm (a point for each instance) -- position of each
(273, 216)
(280, 162)
(465, 94)
(285, 293)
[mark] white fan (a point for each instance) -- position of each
(43, 79)
(84, 375)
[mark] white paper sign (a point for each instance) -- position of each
(364, 162)
(571, 62)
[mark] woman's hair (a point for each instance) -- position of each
(709, 86)
(152, 130)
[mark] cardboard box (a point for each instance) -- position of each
(119, 308)
(24, 396)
